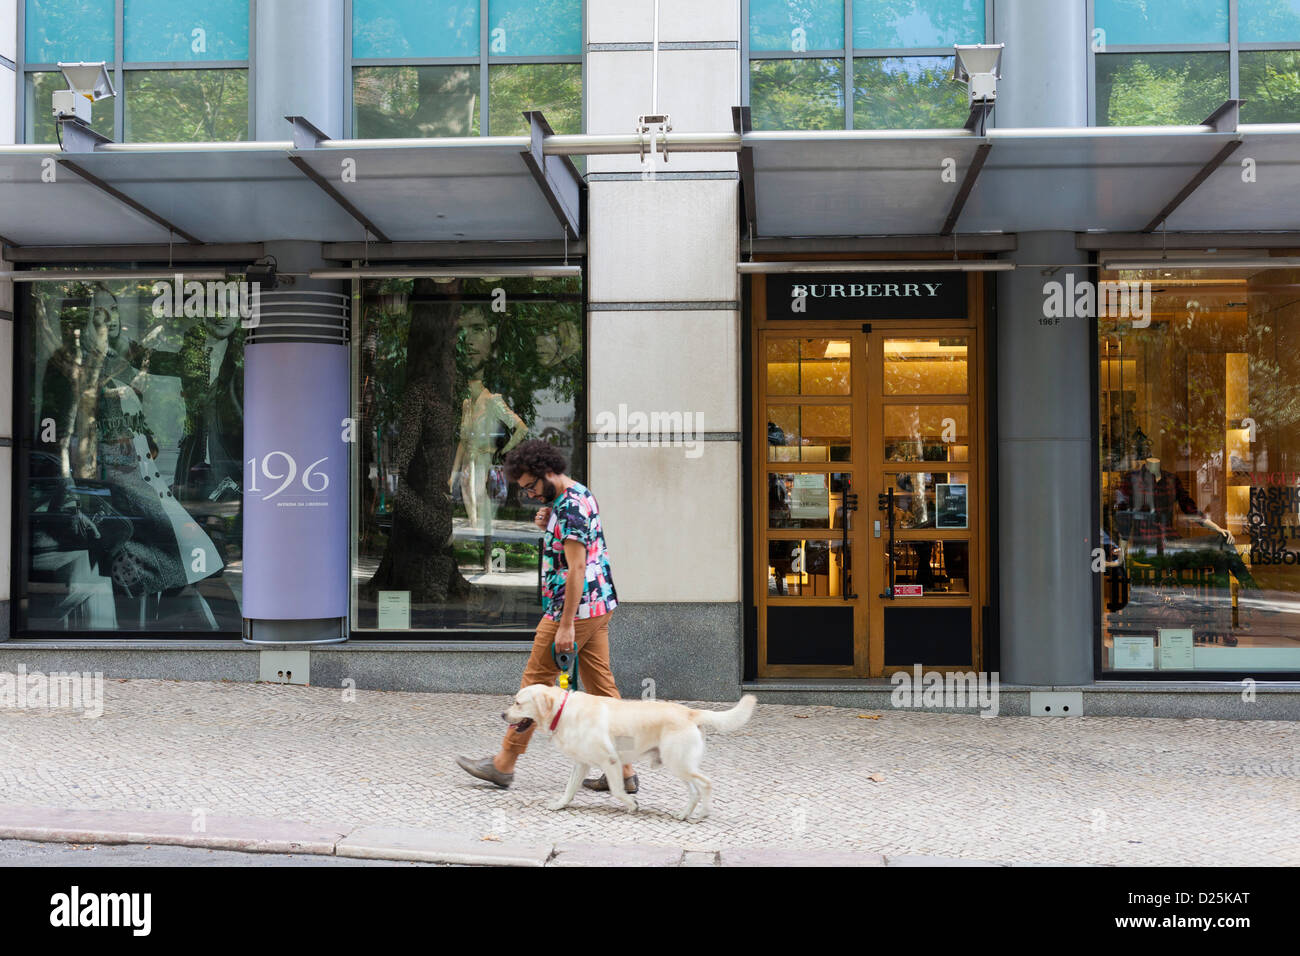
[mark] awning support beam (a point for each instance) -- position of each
(741, 122)
(967, 184)
(1224, 120)
(127, 200)
(558, 179)
(308, 136)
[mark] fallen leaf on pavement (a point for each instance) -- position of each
(494, 839)
(801, 716)
(868, 716)
(877, 778)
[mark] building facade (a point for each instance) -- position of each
(760, 269)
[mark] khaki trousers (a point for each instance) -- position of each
(591, 637)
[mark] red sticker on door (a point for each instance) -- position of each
(908, 590)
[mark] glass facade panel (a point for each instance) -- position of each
(806, 500)
(808, 432)
(535, 27)
(926, 433)
(446, 386)
(68, 31)
(415, 28)
(1159, 89)
(184, 106)
(1200, 474)
(925, 499)
(39, 121)
(553, 88)
(129, 476)
(907, 92)
(796, 25)
(1268, 21)
(940, 567)
(796, 94)
(1165, 21)
(808, 366)
(926, 366)
(1270, 84)
(808, 568)
(168, 30)
(415, 101)
(889, 24)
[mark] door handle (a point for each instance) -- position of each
(850, 506)
(885, 503)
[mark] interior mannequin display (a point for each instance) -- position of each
(1153, 511)
(483, 415)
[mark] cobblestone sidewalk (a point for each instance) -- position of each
(1085, 790)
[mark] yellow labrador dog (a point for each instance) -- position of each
(607, 732)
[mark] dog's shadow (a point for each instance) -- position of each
(612, 809)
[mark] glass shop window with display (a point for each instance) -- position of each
(129, 497)
(1200, 472)
(451, 375)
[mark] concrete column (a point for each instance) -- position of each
(1044, 474)
(8, 79)
(298, 66)
(296, 392)
(664, 337)
(1045, 64)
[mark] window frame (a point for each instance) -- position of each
(120, 66)
(1234, 48)
(483, 61)
(845, 54)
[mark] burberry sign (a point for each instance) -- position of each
(869, 295)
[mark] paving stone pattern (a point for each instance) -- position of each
(1101, 790)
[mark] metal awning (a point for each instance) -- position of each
(309, 188)
(1112, 179)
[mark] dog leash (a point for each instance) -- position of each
(567, 662)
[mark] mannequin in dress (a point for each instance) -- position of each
(481, 414)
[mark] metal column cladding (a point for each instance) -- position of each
(296, 447)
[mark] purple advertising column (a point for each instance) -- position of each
(296, 448)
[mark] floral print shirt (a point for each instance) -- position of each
(575, 515)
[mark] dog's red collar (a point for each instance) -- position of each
(556, 719)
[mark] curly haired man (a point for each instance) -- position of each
(578, 598)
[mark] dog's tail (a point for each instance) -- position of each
(724, 721)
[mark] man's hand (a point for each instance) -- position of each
(542, 517)
(564, 638)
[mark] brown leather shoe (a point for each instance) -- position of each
(630, 784)
(485, 770)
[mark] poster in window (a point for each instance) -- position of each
(809, 497)
(950, 504)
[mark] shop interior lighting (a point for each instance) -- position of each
(1207, 262)
(878, 265)
(466, 271)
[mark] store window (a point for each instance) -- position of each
(1199, 425)
(180, 70)
(896, 73)
(130, 463)
(1172, 63)
(449, 377)
(424, 69)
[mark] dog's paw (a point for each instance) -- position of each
(557, 804)
(631, 804)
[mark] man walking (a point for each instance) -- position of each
(578, 598)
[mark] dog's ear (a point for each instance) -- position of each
(542, 702)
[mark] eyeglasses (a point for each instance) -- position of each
(531, 488)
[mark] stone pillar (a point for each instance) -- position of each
(8, 78)
(1045, 64)
(1045, 483)
(298, 51)
(664, 337)
(296, 397)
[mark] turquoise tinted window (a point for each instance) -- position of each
(168, 30)
(534, 27)
(410, 28)
(888, 24)
(1163, 21)
(68, 31)
(796, 25)
(1268, 21)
